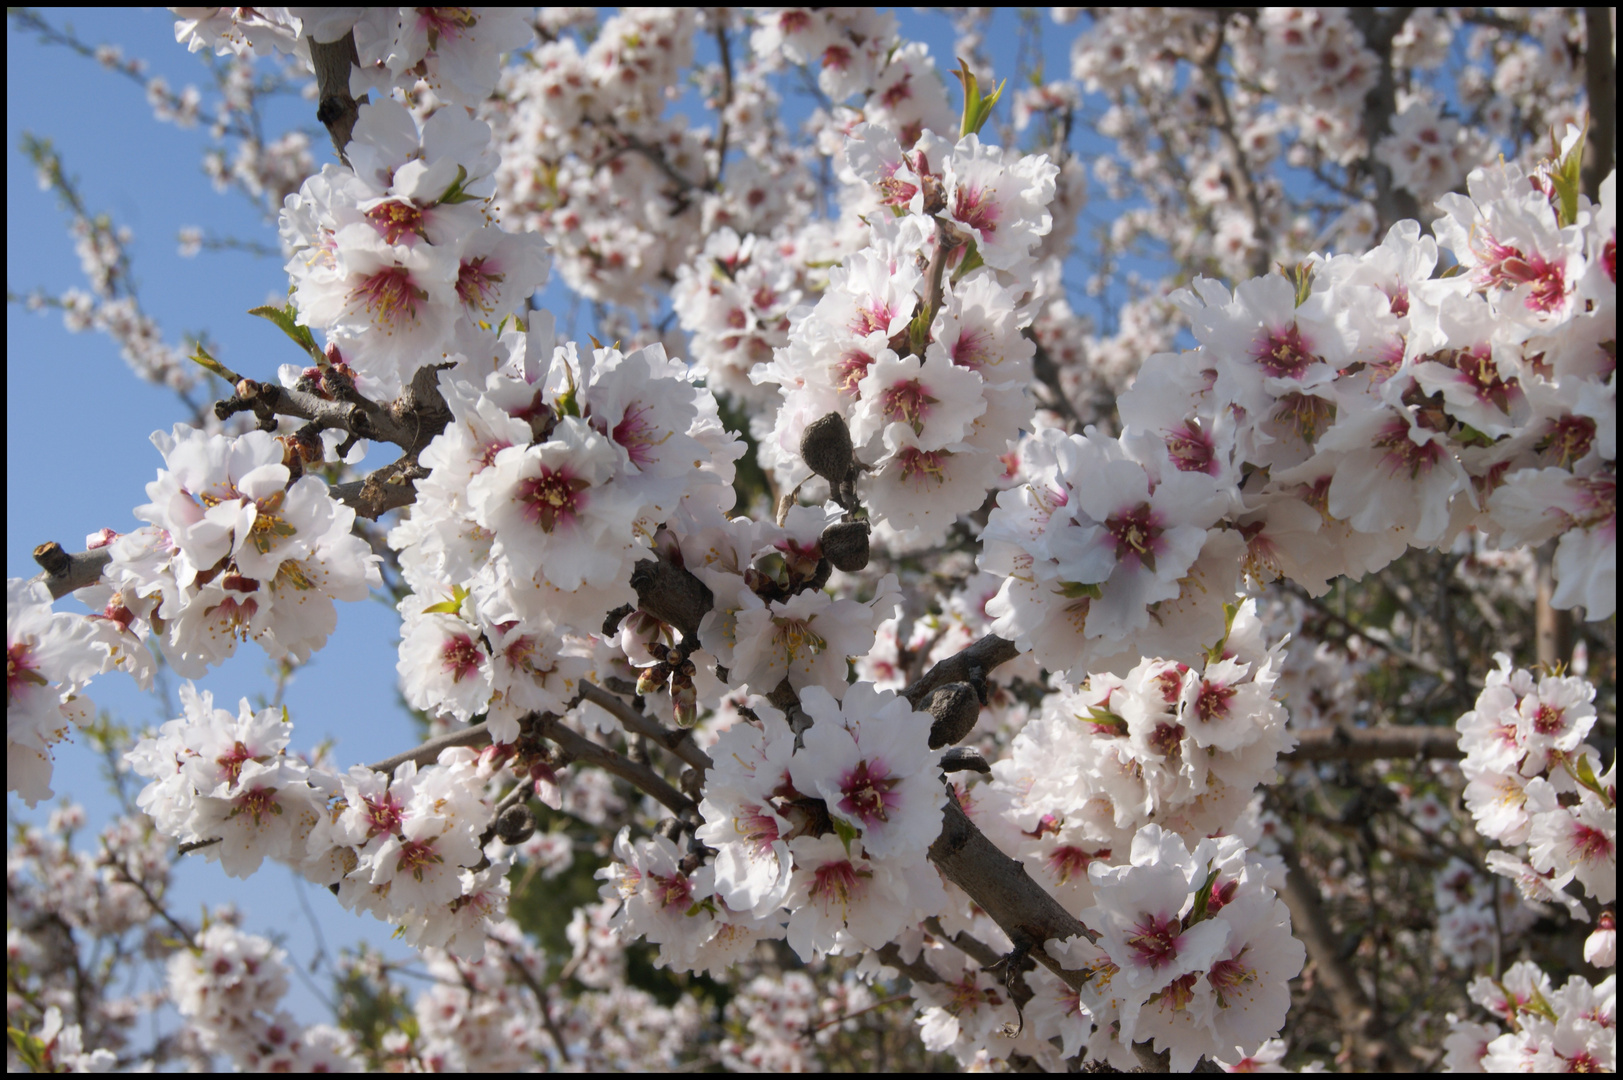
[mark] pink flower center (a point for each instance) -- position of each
(1138, 535)
(1191, 449)
(1590, 845)
(834, 881)
(1404, 454)
(1213, 701)
(875, 316)
(395, 219)
(382, 815)
(415, 855)
(477, 286)
(232, 761)
(390, 297)
(675, 891)
(851, 369)
(973, 348)
(897, 92)
(638, 435)
(837, 57)
(1155, 941)
(1069, 862)
(869, 793)
(460, 656)
(1284, 353)
(1167, 739)
(1480, 373)
(1569, 439)
(1505, 267)
(1228, 976)
(21, 670)
(1306, 414)
(920, 465)
(446, 23)
(1549, 720)
(1399, 300)
(1171, 682)
(552, 497)
(259, 803)
(908, 402)
(976, 208)
(759, 828)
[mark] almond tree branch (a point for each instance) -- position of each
(1365, 744)
(679, 743)
(337, 110)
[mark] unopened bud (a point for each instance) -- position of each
(685, 698)
(845, 544)
(955, 707)
(652, 678)
(826, 448)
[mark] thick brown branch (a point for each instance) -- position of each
(977, 661)
(1352, 1006)
(336, 109)
(1600, 84)
(1366, 744)
(1000, 885)
(362, 418)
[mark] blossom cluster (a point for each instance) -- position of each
(1193, 951)
(1329, 420)
(832, 824)
(229, 985)
(1333, 415)
(916, 341)
(1179, 746)
(408, 848)
(547, 486)
(1532, 780)
(1571, 1029)
(396, 257)
(240, 545)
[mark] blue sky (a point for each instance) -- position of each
(78, 421)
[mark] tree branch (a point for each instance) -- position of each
(63, 573)
(337, 110)
(1366, 744)
(679, 743)
(1600, 85)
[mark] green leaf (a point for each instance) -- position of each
(30, 1048)
(977, 107)
(286, 318)
(201, 357)
(1202, 898)
(1215, 653)
(971, 261)
(455, 193)
(846, 831)
(451, 606)
(1075, 590)
(1565, 176)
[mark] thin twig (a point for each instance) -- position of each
(679, 743)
